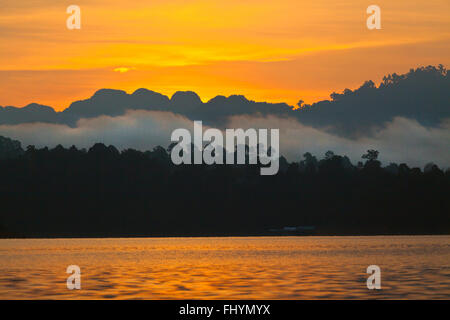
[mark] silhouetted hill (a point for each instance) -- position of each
(422, 94)
(144, 98)
(31, 113)
(185, 101)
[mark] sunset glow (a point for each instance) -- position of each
(266, 50)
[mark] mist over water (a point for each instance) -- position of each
(412, 267)
(401, 140)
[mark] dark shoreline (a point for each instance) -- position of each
(102, 192)
(220, 236)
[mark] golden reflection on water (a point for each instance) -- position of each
(412, 267)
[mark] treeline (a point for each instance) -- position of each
(101, 192)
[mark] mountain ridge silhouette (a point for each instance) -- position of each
(422, 94)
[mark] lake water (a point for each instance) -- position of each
(412, 267)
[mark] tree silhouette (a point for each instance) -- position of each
(102, 192)
(371, 155)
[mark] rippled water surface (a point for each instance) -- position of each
(227, 268)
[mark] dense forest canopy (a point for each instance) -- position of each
(66, 192)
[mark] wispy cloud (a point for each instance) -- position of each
(124, 69)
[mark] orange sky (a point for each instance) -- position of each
(272, 50)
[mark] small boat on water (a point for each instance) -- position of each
(300, 230)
